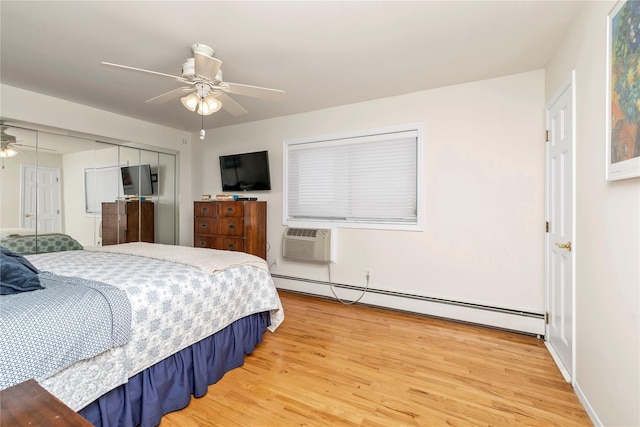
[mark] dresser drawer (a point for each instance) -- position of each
(113, 236)
(232, 227)
(205, 209)
(109, 221)
(114, 208)
(200, 241)
(204, 225)
(229, 244)
(230, 209)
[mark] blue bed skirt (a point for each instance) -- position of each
(168, 385)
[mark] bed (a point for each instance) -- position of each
(194, 315)
(25, 241)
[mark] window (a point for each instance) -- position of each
(366, 179)
(100, 185)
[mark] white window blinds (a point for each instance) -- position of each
(369, 178)
(100, 185)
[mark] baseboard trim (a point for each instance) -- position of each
(587, 406)
(554, 355)
(496, 317)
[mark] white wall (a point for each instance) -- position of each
(607, 241)
(17, 104)
(484, 193)
(83, 228)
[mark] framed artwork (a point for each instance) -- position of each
(623, 91)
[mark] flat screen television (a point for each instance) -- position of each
(136, 180)
(245, 172)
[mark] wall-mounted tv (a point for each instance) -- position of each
(245, 172)
(136, 180)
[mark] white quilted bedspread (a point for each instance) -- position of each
(208, 261)
(174, 305)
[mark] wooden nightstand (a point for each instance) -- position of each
(28, 404)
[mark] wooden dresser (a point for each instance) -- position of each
(234, 226)
(28, 404)
(124, 222)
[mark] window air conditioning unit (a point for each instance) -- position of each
(307, 244)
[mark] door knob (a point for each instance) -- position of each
(27, 215)
(566, 246)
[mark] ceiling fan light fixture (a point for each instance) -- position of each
(204, 110)
(212, 103)
(7, 152)
(190, 101)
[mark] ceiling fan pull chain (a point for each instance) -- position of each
(202, 126)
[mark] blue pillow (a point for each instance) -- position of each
(17, 274)
(19, 257)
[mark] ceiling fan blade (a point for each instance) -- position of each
(33, 147)
(254, 91)
(230, 105)
(140, 70)
(172, 94)
(206, 66)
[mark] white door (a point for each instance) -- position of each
(41, 199)
(560, 331)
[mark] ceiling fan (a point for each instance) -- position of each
(205, 89)
(9, 143)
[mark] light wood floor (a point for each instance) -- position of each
(332, 364)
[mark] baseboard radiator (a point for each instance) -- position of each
(495, 317)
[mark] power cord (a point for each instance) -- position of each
(364, 291)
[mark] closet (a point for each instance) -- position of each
(56, 181)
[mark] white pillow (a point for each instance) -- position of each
(15, 232)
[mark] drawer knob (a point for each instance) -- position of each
(203, 225)
(203, 243)
(229, 209)
(205, 209)
(231, 246)
(232, 227)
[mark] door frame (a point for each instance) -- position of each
(568, 84)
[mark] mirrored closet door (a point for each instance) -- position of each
(58, 189)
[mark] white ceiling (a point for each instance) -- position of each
(321, 53)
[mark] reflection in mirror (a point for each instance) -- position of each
(167, 210)
(90, 175)
(130, 215)
(56, 185)
(150, 197)
(32, 196)
(19, 159)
